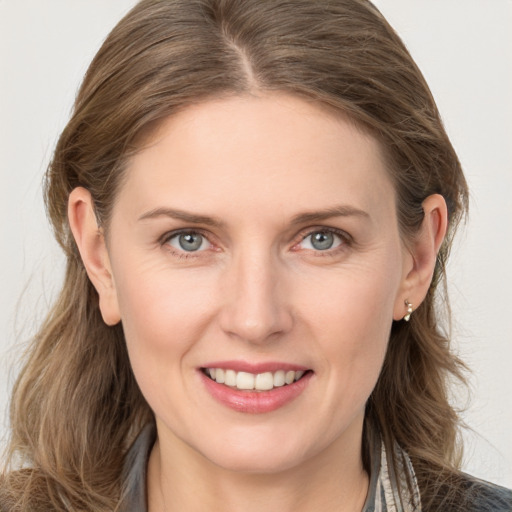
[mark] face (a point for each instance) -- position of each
(256, 241)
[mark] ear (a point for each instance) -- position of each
(421, 255)
(90, 240)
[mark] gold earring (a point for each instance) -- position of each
(407, 317)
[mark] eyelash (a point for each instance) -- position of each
(346, 241)
(167, 237)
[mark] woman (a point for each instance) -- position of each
(256, 200)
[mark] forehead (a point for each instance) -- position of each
(266, 152)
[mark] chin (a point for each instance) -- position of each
(256, 465)
(256, 457)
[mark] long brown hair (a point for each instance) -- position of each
(76, 406)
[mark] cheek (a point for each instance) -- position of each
(351, 318)
(353, 301)
(155, 301)
(162, 313)
(163, 316)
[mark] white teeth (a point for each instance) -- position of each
(264, 381)
(260, 382)
(219, 375)
(230, 378)
(245, 380)
(289, 377)
(279, 379)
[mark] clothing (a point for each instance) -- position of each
(383, 493)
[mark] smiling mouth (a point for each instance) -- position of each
(245, 381)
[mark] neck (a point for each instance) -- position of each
(333, 480)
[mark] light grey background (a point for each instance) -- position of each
(464, 48)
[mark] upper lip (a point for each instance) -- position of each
(255, 368)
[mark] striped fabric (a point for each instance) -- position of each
(395, 493)
(389, 491)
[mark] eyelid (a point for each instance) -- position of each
(345, 237)
(300, 237)
(167, 236)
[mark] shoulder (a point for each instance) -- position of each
(25, 490)
(462, 492)
(12, 491)
(6, 500)
(481, 496)
(7, 496)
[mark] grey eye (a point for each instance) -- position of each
(189, 242)
(321, 241)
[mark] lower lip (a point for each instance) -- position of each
(256, 402)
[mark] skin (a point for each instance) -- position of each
(257, 290)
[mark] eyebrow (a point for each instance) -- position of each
(301, 218)
(335, 211)
(191, 218)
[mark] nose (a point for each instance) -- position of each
(255, 308)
